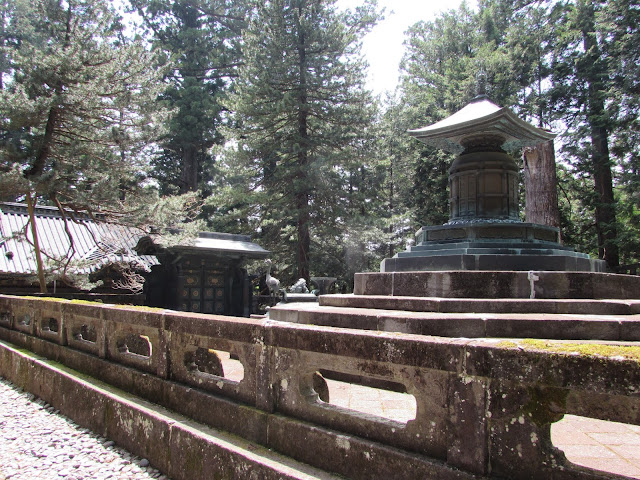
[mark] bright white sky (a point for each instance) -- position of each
(383, 47)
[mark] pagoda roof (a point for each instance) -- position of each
(481, 117)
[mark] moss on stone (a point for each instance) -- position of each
(628, 352)
(87, 302)
(139, 308)
(48, 299)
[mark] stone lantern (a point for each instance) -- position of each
(484, 231)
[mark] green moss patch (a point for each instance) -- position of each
(627, 352)
(140, 308)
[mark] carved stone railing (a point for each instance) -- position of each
(483, 407)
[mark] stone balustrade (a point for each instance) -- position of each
(483, 407)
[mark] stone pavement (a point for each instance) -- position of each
(36, 443)
(606, 446)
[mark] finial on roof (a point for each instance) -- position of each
(481, 83)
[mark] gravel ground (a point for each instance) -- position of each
(37, 443)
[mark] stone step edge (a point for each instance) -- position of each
(600, 328)
(481, 305)
(174, 444)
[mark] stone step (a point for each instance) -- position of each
(488, 244)
(481, 305)
(490, 251)
(625, 328)
(491, 284)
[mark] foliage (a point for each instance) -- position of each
(78, 113)
(302, 119)
(260, 109)
(199, 40)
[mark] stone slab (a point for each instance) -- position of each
(465, 283)
(480, 305)
(468, 324)
(492, 261)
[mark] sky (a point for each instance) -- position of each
(383, 48)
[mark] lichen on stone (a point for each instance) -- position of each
(625, 352)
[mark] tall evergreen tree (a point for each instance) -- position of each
(619, 23)
(199, 39)
(76, 113)
(580, 93)
(302, 110)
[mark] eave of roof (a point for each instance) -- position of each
(481, 117)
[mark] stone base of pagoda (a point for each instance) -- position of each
(499, 284)
(490, 245)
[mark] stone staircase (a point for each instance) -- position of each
(480, 304)
(609, 321)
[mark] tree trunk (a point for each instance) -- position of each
(594, 72)
(189, 172)
(302, 187)
(391, 245)
(36, 244)
(605, 206)
(42, 154)
(540, 185)
(304, 239)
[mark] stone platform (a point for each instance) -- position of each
(499, 284)
(485, 304)
(557, 326)
(482, 245)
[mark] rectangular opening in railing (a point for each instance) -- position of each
(24, 320)
(50, 325)
(5, 319)
(87, 333)
(354, 393)
(134, 344)
(217, 363)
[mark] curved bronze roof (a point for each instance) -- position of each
(481, 117)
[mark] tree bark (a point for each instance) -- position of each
(36, 244)
(302, 187)
(540, 185)
(605, 206)
(189, 172)
(595, 75)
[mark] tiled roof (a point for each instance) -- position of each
(96, 243)
(226, 243)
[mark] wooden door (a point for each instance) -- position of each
(203, 287)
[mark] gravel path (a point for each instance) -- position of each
(37, 443)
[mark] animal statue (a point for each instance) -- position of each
(299, 287)
(272, 282)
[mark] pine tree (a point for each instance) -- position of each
(302, 110)
(199, 39)
(76, 113)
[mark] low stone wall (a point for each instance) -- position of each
(484, 407)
